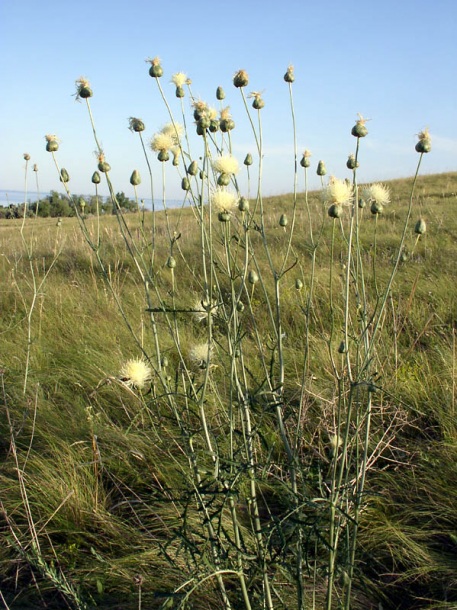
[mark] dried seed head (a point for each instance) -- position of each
(289, 76)
(136, 125)
(26, 157)
(156, 70)
(241, 79)
(83, 90)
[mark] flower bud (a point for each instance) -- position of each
(283, 221)
(135, 178)
(104, 167)
(289, 76)
(351, 163)
(185, 184)
(241, 79)
(223, 180)
(163, 156)
(83, 89)
(335, 210)
(171, 262)
(227, 125)
(420, 227)
(342, 348)
(359, 130)
(253, 278)
(35, 167)
(305, 161)
(156, 70)
(248, 160)
(321, 169)
(258, 102)
(298, 284)
(26, 157)
(240, 306)
(95, 178)
(362, 203)
(376, 208)
(425, 144)
(214, 125)
(179, 92)
(192, 170)
(243, 205)
(220, 94)
(52, 144)
(136, 125)
(64, 177)
(224, 216)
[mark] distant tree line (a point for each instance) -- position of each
(59, 206)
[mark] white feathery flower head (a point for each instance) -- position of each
(200, 354)
(174, 130)
(203, 307)
(223, 201)
(225, 164)
(179, 79)
(377, 193)
(162, 141)
(136, 373)
(338, 191)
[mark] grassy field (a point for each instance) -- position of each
(178, 491)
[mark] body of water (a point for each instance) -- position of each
(8, 198)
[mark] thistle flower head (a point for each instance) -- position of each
(52, 142)
(377, 193)
(289, 76)
(225, 113)
(258, 102)
(226, 164)
(240, 79)
(26, 157)
(202, 308)
(200, 354)
(424, 145)
(179, 79)
(223, 201)
(156, 69)
(338, 191)
(174, 130)
(359, 130)
(162, 142)
(136, 373)
(35, 167)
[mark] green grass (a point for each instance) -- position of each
(101, 477)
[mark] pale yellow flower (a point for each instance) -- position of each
(338, 191)
(174, 130)
(226, 164)
(200, 354)
(179, 79)
(223, 201)
(162, 141)
(377, 193)
(136, 373)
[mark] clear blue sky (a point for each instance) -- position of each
(392, 61)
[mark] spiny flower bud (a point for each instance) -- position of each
(241, 79)
(305, 161)
(52, 143)
(351, 163)
(359, 130)
(135, 178)
(321, 169)
(26, 157)
(64, 177)
(136, 125)
(420, 227)
(156, 70)
(95, 178)
(425, 143)
(220, 94)
(335, 210)
(289, 76)
(248, 160)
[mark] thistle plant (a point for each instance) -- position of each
(226, 392)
